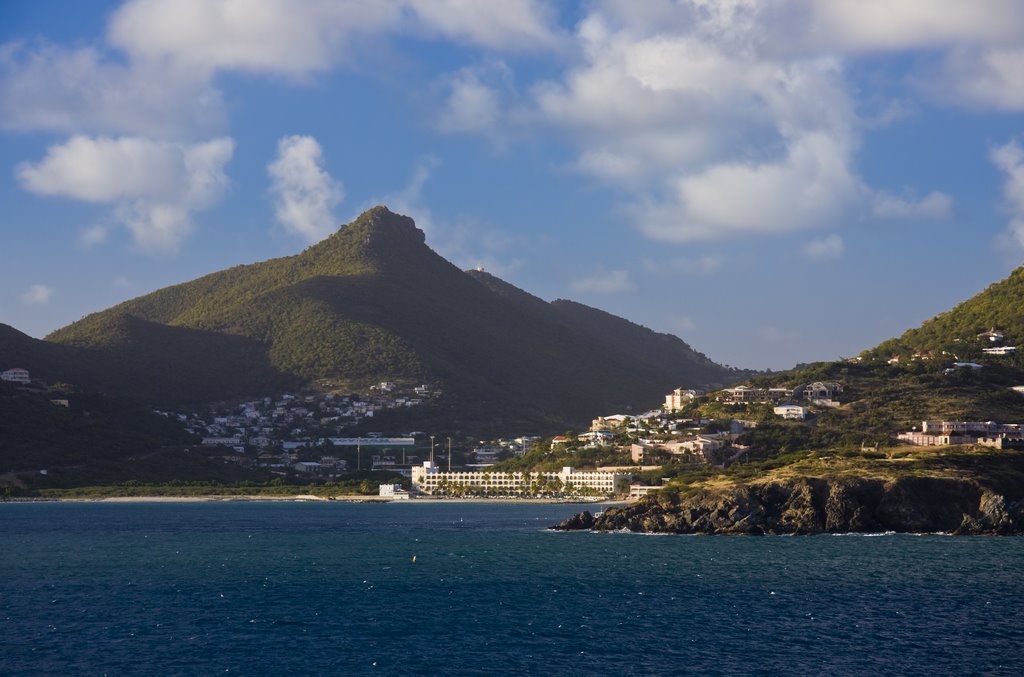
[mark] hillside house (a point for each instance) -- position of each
(15, 375)
(791, 412)
(748, 395)
(679, 397)
(992, 336)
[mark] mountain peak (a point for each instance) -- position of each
(380, 222)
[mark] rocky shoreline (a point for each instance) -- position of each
(815, 506)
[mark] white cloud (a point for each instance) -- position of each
(732, 118)
(882, 25)
(811, 187)
(93, 235)
(711, 136)
(934, 205)
(46, 87)
(824, 249)
(605, 282)
(154, 186)
(514, 25)
(304, 193)
(154, 74)
(472, 104)
(290, 39)
(683, 324)
(37, 295)
(775, 334)
(1010, 159)
(704, 264)
(985, 78)
(274, 37)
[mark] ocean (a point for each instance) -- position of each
(270, 588)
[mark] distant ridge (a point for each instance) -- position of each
(373, 302)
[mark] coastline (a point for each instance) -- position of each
(308, 498)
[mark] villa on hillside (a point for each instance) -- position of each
(992, 336)
(679, 397)
(748, 395)
(791, 412)
(985, 433)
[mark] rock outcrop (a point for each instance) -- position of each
(813, 506)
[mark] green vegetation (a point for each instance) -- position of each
(998, 307)
(371, 302)
(94, 430)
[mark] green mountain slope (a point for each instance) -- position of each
(1000, 306)
(658, 351)
(372, 302)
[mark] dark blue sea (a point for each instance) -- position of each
(332, 588)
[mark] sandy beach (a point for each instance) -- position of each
(311, 497)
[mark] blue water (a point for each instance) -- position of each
(331, 588)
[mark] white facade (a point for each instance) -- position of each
(791, 412)
(16, 375)
(428, 479)
(393, 491)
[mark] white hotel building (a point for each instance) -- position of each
(429, 479)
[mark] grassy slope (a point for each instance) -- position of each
(372, 302)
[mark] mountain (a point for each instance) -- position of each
(659, 351)
(373, 302)
(1000, 307)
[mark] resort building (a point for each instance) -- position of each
(429, 479)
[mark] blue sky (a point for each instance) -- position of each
(774, 182)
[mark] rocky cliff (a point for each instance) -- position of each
(812, 506)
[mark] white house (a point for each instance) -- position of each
(993, 335)
(792, 412)
(393, 491)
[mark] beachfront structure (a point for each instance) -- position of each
(393, 491)
(429, 479)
